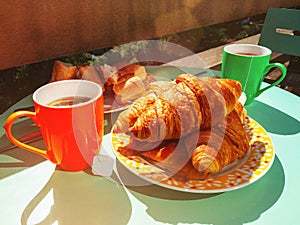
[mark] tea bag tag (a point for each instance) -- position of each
(103, 165)
(243, 98)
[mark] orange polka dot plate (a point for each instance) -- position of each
(243, 172)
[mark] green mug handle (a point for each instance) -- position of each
(267, 69)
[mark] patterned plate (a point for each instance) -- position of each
(241, 173)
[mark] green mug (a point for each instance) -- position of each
(249, 64)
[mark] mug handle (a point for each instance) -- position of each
(8, 125)
(267, 69)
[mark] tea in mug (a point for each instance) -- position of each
(69, 101)
(247, 53)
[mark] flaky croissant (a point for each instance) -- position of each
(220, 146)
(200, 154)
(170, 110)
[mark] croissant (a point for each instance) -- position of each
(220, 146)
(170, 110)
(124, 90)
(63, 71)
(217, 97)
(198, 155)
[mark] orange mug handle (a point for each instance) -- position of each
(8, 125)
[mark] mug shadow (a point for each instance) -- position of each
(235, 207)
(78, 198)
(68, 197)
(273, 120)
(18, 159)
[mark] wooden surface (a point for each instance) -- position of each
(38, 30)
(213, 56)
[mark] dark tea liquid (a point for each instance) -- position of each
(247, 53)
(69, 101)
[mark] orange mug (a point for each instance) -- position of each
(70, 116)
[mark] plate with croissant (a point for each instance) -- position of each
(122, 83)
(192, 134)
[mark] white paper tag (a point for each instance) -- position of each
(243, 98)
(103, 165)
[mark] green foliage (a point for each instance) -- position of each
(21, 72)
(78, 59)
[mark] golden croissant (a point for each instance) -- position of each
(219, 146)
(170, 110)
(200, 154)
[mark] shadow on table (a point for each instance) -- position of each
(235, 207)
(16, 160)
(273, 120)
(78, 198)
(66, 197)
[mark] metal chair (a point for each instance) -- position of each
(281, 31)
(281, 34)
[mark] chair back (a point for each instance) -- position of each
(281, 31)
